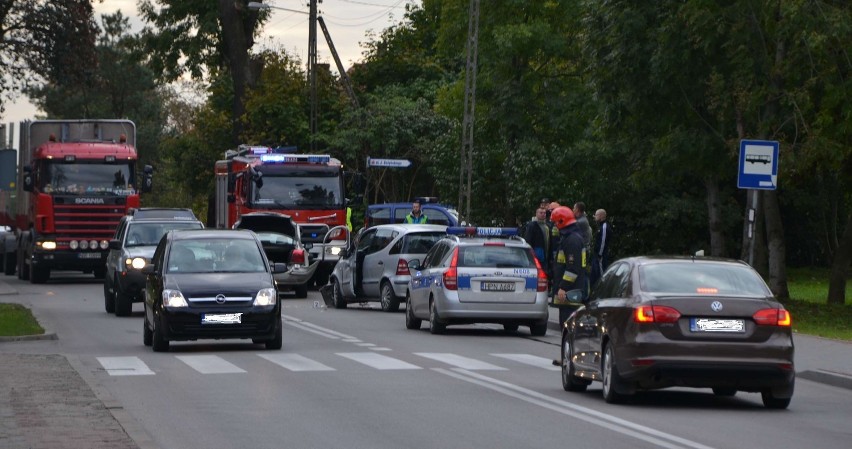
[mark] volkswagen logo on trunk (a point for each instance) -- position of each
(220, 299)
(716, 306)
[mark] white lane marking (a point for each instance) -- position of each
(377, 361)
(379, 348)
(529, 359)
(125, 366)
(364, 344)
(292, 319)
(351, 340)
(296, 362)
(210, 364)
(586, 414)
(308, 329)
(459, 361)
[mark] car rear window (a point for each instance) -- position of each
(420, 242)
(495, 257)
(697, 278)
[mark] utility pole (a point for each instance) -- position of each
(466, 160)
(312, 71)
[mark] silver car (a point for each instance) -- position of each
(478, 275)
(375, 266)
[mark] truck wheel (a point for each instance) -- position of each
(24, 271)
(9, 260)
(100, 273)
(39, 275)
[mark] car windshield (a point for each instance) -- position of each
(298, 189)
(274, 238)
(492, 256)
(421, 242)
(215, 255)
(149, 234)
(696, 278)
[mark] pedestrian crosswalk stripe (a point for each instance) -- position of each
(125, 366)
(377, 361)
(460, 361)
(532, 360)
(296, 362)
(210, 364)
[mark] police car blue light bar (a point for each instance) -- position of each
(482, 231)
(295, 158)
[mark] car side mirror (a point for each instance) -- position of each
(149, 268)
(115, 244)
(279, 267)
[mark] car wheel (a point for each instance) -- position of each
(411, 322)
(39, 275)
(158, 340)
(109, 304)
(436, 326)
(612, 381)
(123, 303)
(278, 341)
(337, 295)
(538, 329)
(724, 391)
(511, 327)
(99, 273)
(301, 291)
(569, 380)
(777, 398)
(390, 303)
(147, 334)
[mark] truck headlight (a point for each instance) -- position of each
(48, 245)
(265, 297)
(174, 298)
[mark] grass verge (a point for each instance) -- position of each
(17, 320)
(811, 314)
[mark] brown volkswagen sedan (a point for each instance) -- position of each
(658, 322)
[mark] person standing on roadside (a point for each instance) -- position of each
(600, 257)
(554, 243)
(570, 270)
(416, 216)
(537, 234)
(583, 223)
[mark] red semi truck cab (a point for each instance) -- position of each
(77, 178)
(310, 188)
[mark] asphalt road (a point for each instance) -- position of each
(356, 378)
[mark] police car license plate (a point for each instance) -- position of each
(221, 318)
(716, 325)
(497, 286)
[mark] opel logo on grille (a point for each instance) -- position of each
(716, 306)
(221, 300)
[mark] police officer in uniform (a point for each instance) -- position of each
(416, 216)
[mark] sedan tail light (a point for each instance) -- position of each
(402, 267)
(655, 314)
(297, 257)
(541, 286)
(451, 276)
(772, 317)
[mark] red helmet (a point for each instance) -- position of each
(562, 216)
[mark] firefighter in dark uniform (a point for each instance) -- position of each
(569, 272)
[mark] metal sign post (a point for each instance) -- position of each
(758, 170)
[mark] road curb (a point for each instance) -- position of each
(45, 336)
(840, 380)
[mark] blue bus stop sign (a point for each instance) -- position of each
(758, 168)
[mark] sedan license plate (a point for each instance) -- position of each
(221, 318)
(89, 255)
(497, 286)
(716, 325)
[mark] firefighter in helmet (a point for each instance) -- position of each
(569, 272)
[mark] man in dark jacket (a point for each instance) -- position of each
(603, 238)
(537, 234)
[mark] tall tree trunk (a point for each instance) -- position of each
(238, 27)
(714, 215)
(840, 266)
(776, 246)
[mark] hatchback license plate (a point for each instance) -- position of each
(497, 286)
(716, 325)
(221, 318)
(89, 255)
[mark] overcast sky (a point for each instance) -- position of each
(348, 23)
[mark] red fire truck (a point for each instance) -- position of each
(310, 188)
(76, 179)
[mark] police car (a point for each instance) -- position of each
(478, 275)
